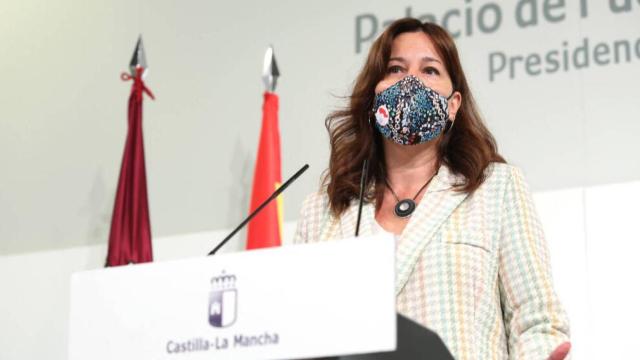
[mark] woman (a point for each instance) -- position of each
(471, 259)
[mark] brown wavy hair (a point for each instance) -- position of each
(467, 148)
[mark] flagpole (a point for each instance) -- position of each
(266, 229)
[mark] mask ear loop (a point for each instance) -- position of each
(449, 124)
(450, 96)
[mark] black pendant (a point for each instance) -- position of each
(404, 208)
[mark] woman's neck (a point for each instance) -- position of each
(408, 167)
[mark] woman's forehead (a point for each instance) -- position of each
(412, 46)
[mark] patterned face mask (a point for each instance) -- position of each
(409, 113)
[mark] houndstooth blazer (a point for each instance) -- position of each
(473, 268)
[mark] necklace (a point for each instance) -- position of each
(405, 207)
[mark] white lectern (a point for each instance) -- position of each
(303, 301)
(298, 301)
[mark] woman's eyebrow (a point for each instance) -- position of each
(397, 58)
(430, 59)
(424, 59)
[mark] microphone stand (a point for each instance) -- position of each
(363, 183)
(257, 210)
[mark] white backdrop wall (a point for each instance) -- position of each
(63, 113)
(556, 81)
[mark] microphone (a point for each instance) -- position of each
(257, 210)
(363, 183)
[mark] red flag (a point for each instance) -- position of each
(130, 236)
(265, 230)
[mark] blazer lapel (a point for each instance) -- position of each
(436, 206)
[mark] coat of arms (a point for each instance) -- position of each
(223, 300)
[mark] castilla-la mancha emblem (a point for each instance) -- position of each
(223, 300)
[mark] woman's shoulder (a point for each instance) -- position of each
(315, 209)
(500, 173)
(315, 206)
(316, 199)
(499, 177)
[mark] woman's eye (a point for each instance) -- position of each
(394, 69)
(430, 70)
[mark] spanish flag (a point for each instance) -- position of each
(265, 230)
